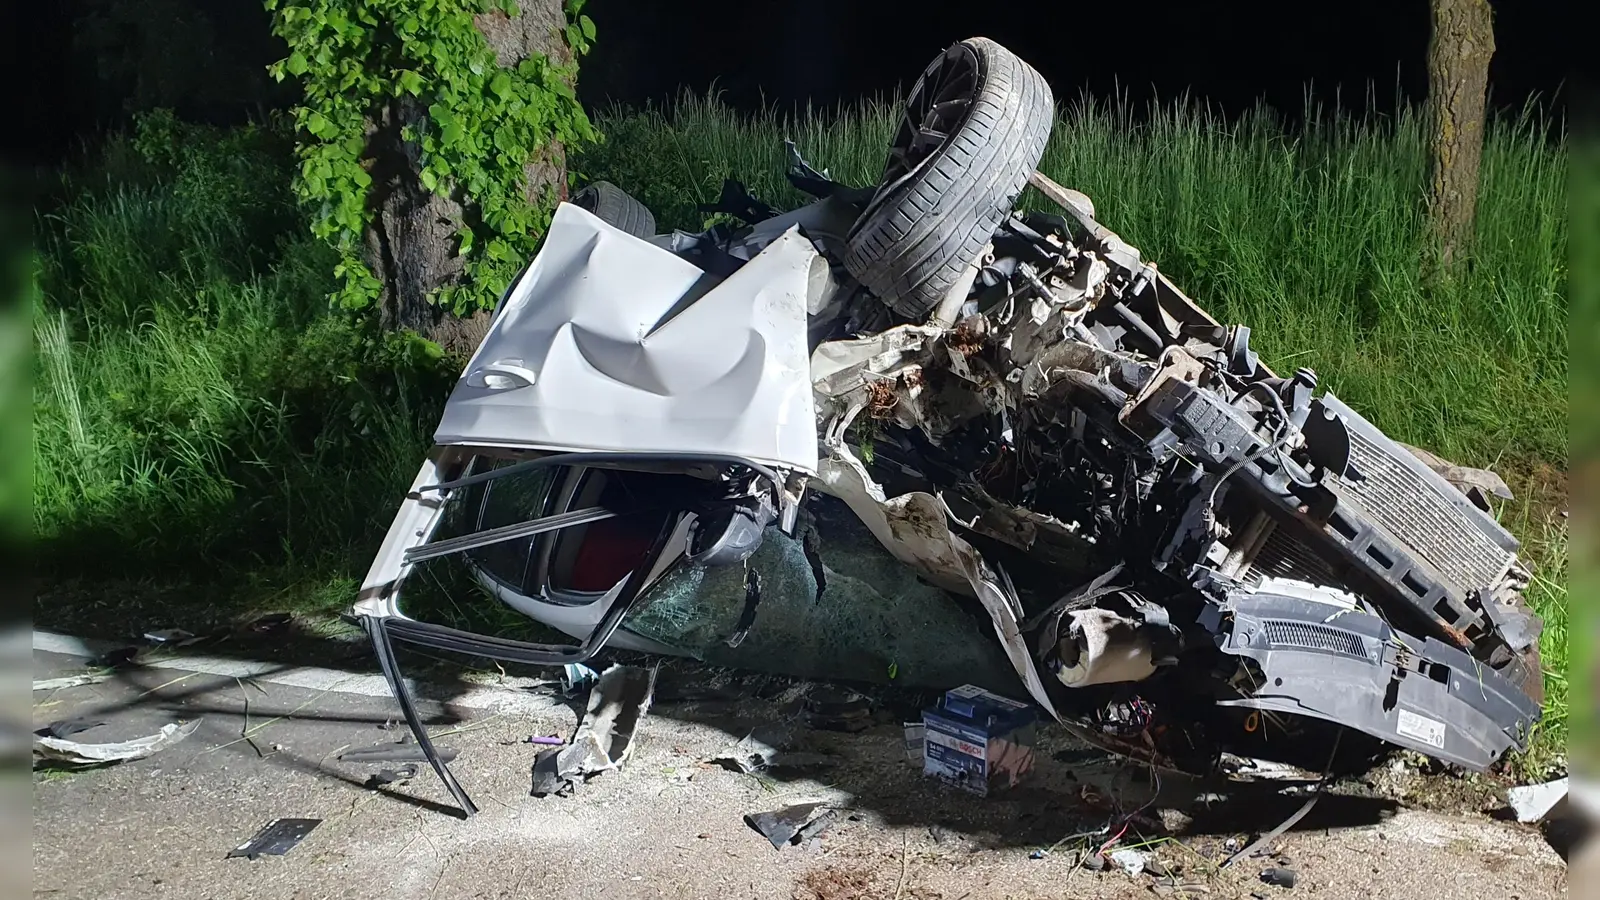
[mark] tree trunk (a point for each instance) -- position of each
(1458, 78)
(411, 243)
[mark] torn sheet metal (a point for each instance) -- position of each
(915, 528)
(610, 343)
(618, 703)
(56, 749)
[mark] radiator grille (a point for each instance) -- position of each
(1314, 637)
(1413, 511)
(1282, 556)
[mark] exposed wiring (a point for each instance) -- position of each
(1283, 416)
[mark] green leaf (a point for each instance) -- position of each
(296, 63)
(428, 180)
(410, 82)
(500, 84)
(466, 241)
(587, 24)
(318, 124)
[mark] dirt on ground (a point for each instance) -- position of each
(671, 824)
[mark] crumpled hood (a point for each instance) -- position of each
(608, 342)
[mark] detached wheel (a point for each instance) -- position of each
(974, 129)
(615, 207)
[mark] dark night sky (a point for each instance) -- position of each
(1231, 53)
(787, 51)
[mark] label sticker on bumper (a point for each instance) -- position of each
(1421, 728)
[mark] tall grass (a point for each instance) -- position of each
(196, 402)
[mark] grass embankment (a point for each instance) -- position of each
(198, 406)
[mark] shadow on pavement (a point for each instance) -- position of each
(1084, 794)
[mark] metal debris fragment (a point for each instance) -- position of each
(54, 749)
(786, 825)
(277, 838)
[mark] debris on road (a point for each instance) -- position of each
(390, 776)
(837, 709)
(1131, 861)
(403, 750)
(1278, 876)
(791, 824)
(70, 681)
(548, 779)
(575, 677)
(172, 637)
(915, 742)
(618, 702)
(977, 740)
(547, 740)
(277, 838)
(1533, 802)
(61, 750)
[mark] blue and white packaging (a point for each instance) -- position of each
(977, 740)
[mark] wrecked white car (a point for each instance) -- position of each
(1179, 552)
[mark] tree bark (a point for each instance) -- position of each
(1458, 79)
(411, 243)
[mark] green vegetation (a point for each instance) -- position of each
(427, 70)
(197, 401)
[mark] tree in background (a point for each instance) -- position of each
(433, 141)
(1458, 79)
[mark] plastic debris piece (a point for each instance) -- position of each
(781, 826)
(916, 734)
(177, 637)
(577, 675)
(277, 838)
(56, 684)
(77, 753)
(1277, 876)
(548, 779)
(404, 750)
(390, 776)
(1131, 861)
(548, 741)
(1533, 802)
(618, 703)
(817, 827)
